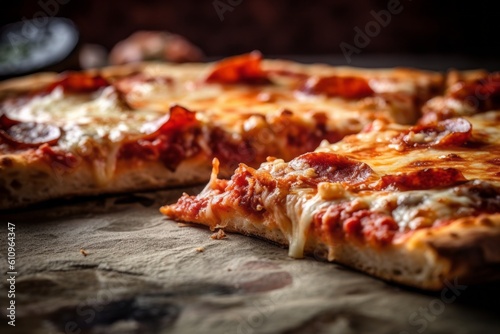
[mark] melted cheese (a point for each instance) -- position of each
(102, 117)
(98, 116)
(227, 105)
(300, 207)
(393, 86)
(379, 151)
(413, 205)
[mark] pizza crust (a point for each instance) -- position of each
(470, 246)
(466, 251)
(23, 183)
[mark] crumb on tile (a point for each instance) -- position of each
(219, 235)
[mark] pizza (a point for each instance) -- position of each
(394, 172)
(413, 204)
(155, 125)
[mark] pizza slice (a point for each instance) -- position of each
(157, 125)
(415, 205)
(466, 93)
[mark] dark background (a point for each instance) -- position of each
(277, 27)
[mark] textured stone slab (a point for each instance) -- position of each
(143, 273)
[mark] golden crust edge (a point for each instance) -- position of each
(82, 181)
(418, 261)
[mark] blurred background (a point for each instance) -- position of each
(422, 33)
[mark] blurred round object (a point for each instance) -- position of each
(34, 45)
(178, 49)
(93, 56)
(154, 45)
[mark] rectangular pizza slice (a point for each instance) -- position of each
(155, 125)
(415, 205)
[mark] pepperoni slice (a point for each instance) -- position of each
(375, 227)
(330, 167)
(450, 132)
(424, 179)
(180, 118)
(344, 221)
(336, 86)
(79, 82)
(31, 134)
(240, 69)
(170, 139)
(177, 119)
(6, 122)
